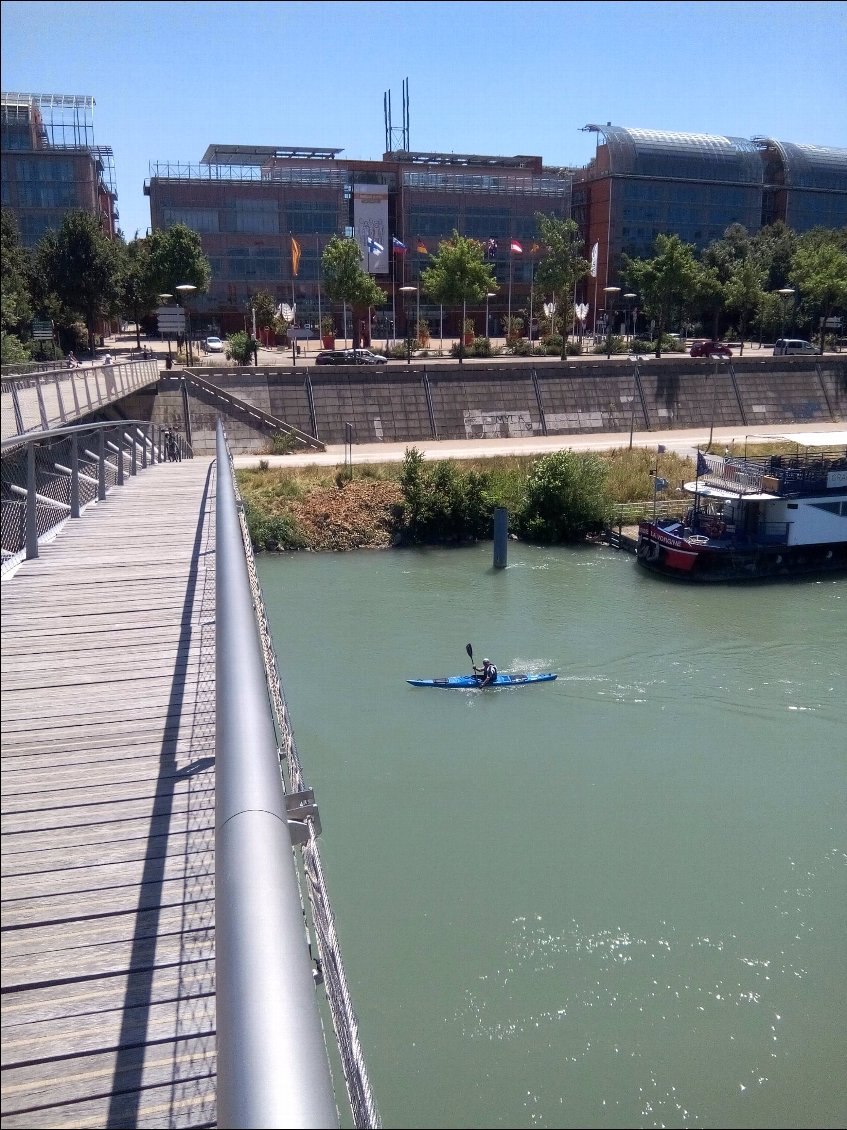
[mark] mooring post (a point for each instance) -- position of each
(501, 536)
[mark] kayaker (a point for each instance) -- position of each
(486, 674)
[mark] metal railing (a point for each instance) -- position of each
(58, 396)
(256, 858)
(272, 1062)
(52, 475)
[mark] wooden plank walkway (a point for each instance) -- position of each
(108, 732)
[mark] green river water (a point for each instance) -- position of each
(614, 900)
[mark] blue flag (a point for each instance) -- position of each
(703, 467)
(661, 484)
(374, 248)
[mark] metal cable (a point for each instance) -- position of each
(345, 1024)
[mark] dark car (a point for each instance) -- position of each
(710, 349)
(348, 357)
(334, 357)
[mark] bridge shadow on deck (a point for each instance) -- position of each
(134, 1044)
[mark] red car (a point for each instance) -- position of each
(710, 349)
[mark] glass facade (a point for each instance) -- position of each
(50, 164)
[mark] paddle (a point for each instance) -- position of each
(469, 650)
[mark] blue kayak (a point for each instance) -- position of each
(465, 682)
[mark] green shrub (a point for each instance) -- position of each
(613, 345)
(272, 531)
(442, 503)
(239, 348)
(565, 498)
(282, 443)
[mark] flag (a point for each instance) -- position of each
(399, 247)
(594, 252)
(660, 484)
(374, 248)
(516, 247)
(422, 247)
(703, 467)
(661, 449)
(295, 256)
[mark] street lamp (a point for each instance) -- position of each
(629, 300)
(186, 290)
(490, 294)
(717, 359)
(786, 292)
(611, 292)
(408, 290)
(636, 360)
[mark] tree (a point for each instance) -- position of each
(561, 266)
(458, 275)
(16, 267)
(82, 266)
(709, 297)
(665, 282)
(177, 257)
(345, 281)
(819, 271)
(138, 291)
(744, 291)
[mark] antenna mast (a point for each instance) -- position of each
(396, 137)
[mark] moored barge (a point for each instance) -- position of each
(759, 518)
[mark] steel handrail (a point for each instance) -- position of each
(272, 1060)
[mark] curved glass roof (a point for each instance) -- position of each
(811, 166)
(681, 156)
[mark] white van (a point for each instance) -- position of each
(787, 345)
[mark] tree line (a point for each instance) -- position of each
(78, 276)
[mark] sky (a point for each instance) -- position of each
(499, 78)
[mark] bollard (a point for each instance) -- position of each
(501, 536)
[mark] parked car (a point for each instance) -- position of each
(348, 357)
(365, 357)
(213, 345)
(710, 349)
(784, 346)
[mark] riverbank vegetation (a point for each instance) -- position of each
(562, 497)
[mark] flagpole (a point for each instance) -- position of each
(509, 316)
(531, 290)
(318, 254)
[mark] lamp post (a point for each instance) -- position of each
(786, 292)
(408, 290)
(611, 293)
(186, 290)
(636, 360)
(629, 300)
(163, 298)
(490, 294)
(717, 360)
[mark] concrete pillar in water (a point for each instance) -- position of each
(501, 536)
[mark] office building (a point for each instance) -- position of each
(50, 165)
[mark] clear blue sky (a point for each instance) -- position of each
(490, 77)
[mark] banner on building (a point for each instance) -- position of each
(370, 223)
(594, 253)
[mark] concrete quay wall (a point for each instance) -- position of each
(399, 403)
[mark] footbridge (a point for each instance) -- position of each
(169, 947)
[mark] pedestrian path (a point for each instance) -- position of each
(108, 732)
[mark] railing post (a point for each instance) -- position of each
(31, 515)
(101, 467)
(120, 446)
(144, 447)
(19, 420)
(133, 464)
(43, 411)
(74, 475)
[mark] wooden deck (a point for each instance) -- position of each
(108, 732)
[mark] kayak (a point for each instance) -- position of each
(465, 682)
